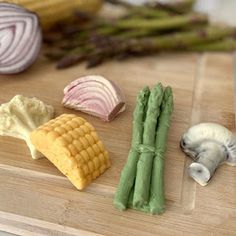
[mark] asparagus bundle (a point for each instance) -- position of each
(141, 185)
(143, 30)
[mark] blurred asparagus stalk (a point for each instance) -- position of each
(143, 30)
(178, 7)
(182, 40)
(97, 52)
(163, 23)
(228, 44)
(146, 12)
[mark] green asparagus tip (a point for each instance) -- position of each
(143, 93)
(159, 91)
(168, 90)
(168, 98)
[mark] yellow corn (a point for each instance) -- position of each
(72, 145)
(52, 11)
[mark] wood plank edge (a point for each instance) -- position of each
(95, 188)
(22, 225)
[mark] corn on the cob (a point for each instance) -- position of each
(72, 145)
(52, 11)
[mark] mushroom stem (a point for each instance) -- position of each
(210, 156)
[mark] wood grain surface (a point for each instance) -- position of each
(36, 199)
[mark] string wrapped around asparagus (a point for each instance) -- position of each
(128, 173)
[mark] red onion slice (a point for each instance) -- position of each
(20, 38)
(95, 95)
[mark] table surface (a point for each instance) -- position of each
(36, 199)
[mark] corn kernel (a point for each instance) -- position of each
(102, 168)
(91, 128)
(94, 135)
(95, 174)
(101, 146)
(91, 166)
(96, 162)
(68, 137)
(78, 145)
(74, 134)
(62, 141)
(52, 135)
(89, 178)
(85, 169)
(73, 150)
(60, 130)
(74, 124)
(85, 129)
(79, 121)
(90, 152)
(80, 132)
(85, 155)
(80, 160)
(84, 142)
(101, 158)
(67, 127)
(96, 149)
(90, 139)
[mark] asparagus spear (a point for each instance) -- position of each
(146, 12)
(75, 56)
(69, 61)
(178, 7)
(157, 194)
(182, 40)
(129, 34)
(144, 166)
(174, 41)
(161, 24)
(228, 44)
(128, 173)
(144, 208)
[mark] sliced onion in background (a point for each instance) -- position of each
(20, 38)
(94, 95)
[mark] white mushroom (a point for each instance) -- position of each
(209, 145)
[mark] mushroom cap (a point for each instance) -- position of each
(202, 132)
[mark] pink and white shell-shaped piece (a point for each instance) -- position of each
(95, 95)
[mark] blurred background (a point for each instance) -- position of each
(95, 31)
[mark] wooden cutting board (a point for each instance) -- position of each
(35, 199)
